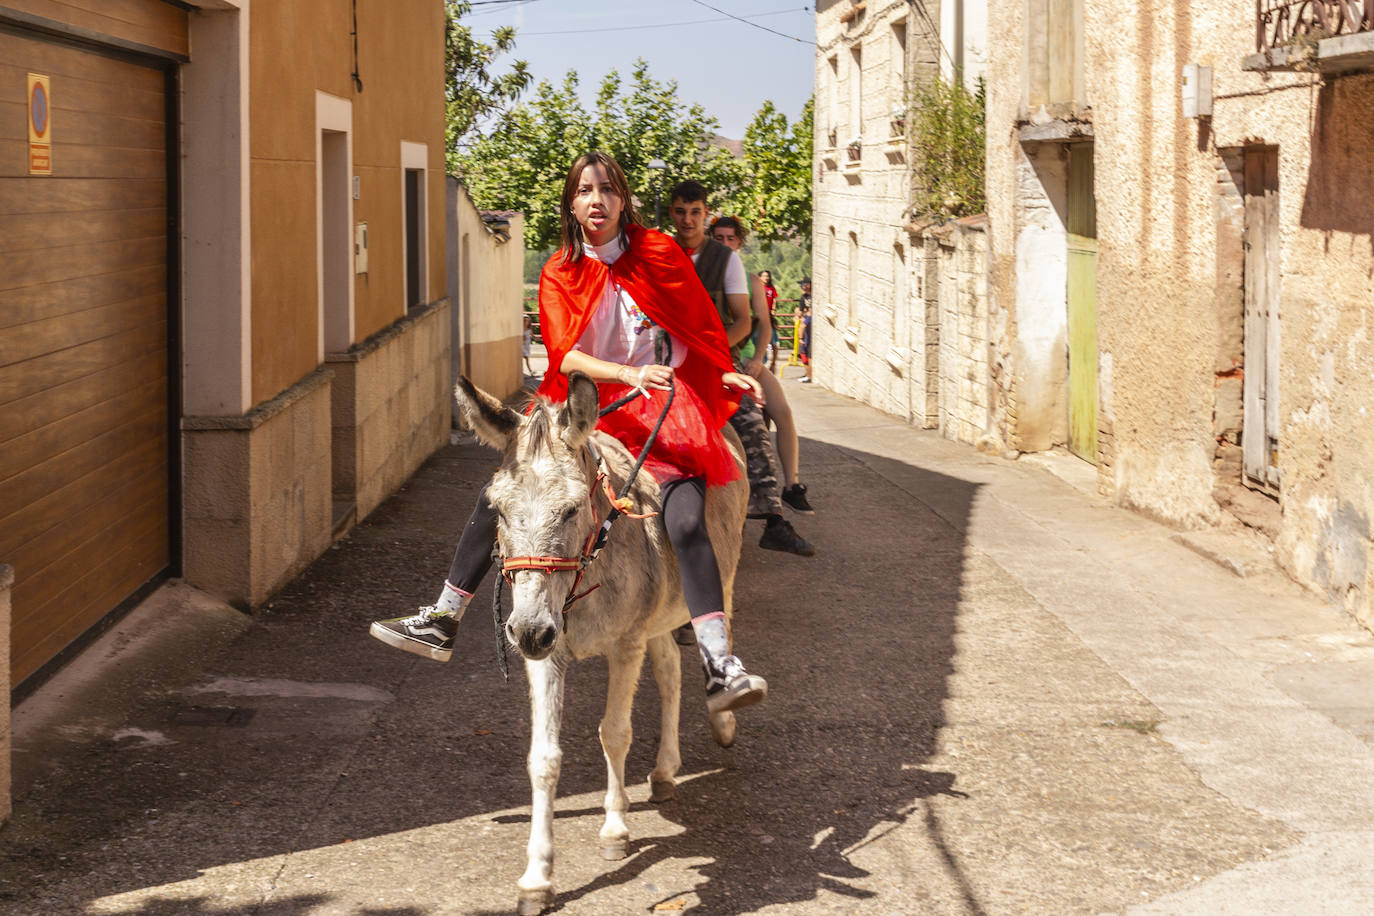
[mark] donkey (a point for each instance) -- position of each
(550, 501)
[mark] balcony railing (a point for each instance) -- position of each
(1284, 23)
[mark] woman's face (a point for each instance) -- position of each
(596, 206)
(727, 237)
(767, 276)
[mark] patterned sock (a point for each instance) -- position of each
(712, 638)
(453, 600)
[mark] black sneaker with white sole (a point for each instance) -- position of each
(780, 535)
(795, 497)
(428, 633)
(729, 686)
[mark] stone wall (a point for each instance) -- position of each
(963, 370)
(256, 495)
(390, 402)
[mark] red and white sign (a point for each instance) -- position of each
(40, 125)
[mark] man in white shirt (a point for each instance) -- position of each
(722, 273)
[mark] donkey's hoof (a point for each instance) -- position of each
(614, 850)
(662, 790)
(534, 902)
(724, 728)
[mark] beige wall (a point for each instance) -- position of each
(868, 331)
(296, 49)
(390, 407)
(486, 288)
(1169, 218)
(256, 493)
(269, 483)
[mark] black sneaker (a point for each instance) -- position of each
(795, 497)
(729, 686)
(429, 633)
(685, 635)
(780, 535)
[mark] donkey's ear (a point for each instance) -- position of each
(494, 422)
(581, 414)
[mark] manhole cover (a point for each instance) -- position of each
(231, 716)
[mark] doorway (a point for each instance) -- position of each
(1259, 438)
(1081, 295)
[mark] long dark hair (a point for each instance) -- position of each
(572, 230)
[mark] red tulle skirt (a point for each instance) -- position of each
(688, 445)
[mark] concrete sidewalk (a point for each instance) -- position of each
(991, 692)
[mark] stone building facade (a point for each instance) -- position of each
(1180, 230)
(886, 329)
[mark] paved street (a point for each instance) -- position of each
(991, 692)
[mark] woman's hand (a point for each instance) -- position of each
(655, 378)
(740, 380)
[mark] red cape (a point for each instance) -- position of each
(664, 284)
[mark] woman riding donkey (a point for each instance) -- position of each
(622, 304)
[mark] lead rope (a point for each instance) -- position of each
(496, 611)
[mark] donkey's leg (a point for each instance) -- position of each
(667, 661)
(545, 762)
(623, 663)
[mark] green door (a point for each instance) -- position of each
(1082, 304)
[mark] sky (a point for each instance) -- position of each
(730, 67)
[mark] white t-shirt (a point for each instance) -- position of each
(736, 280)
(619, 331)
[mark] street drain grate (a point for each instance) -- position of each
(231, 716)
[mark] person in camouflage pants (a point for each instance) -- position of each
(765, 493)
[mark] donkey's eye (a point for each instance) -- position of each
(568, 513)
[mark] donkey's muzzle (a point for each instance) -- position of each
(534, 642)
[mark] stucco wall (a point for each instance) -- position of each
(1169, 220)
(487, 288)
(296, 49)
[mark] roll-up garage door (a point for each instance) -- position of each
(85, 511)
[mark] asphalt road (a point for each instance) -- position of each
(991, 692)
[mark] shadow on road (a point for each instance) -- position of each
(857, 644)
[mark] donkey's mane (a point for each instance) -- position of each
(539, 432)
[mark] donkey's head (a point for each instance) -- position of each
(541, 495)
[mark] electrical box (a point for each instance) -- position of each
(360, 248)
(1197, 91)
(357, 187)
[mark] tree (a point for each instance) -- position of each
(473, 95)
(775, 197)
(522, 161)
(948, 131)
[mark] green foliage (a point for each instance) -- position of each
(774, 201)
(787, 260)
(473, 95)
(521, 163)
(949, 135)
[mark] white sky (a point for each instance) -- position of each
(728, 66)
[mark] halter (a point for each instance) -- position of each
(596, 539)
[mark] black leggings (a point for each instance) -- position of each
(684, 517)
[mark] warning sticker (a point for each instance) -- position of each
(40, 125)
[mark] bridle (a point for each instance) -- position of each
(596, 539)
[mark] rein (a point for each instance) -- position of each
(597, 539)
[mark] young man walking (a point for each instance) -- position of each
(722, 273)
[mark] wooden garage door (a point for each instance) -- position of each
(84, 441)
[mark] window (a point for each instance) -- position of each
(832, 104)
(856, 113)
(853, 299)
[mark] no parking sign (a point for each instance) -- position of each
(40, 126)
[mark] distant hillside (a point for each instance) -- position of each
(736, 147)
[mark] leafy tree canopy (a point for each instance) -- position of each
(521, 162)
(473, 94)
(775, 200)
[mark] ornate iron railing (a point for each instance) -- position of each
(1281, 23)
